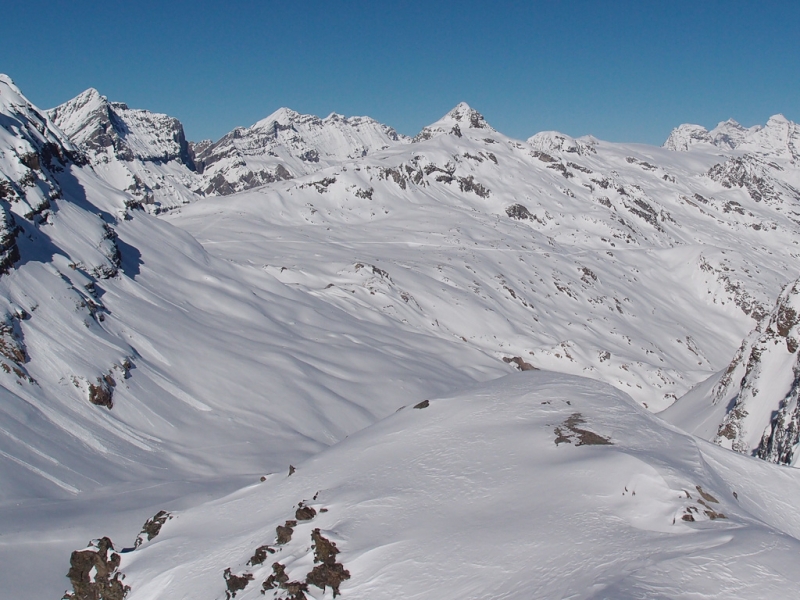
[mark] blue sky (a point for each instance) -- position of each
(622, 71)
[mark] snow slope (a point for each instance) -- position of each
(624, 263)
(137, 367)
(537, 485)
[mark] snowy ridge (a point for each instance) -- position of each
(778, 138)
(537, 485)
(287, 144)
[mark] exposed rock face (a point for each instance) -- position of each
(34, 153)
(746, 172)
(94, 573)
(95, 124)
(152, 527)
(762, 385)
(329, 572)
(139, 151)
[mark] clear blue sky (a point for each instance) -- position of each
(620, 70)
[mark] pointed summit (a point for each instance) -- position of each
(283, 117)
(462, 117)
(463, 113)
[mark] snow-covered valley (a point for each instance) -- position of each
(181, 320)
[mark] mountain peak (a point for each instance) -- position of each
(772, 138)
(9, 92)
(778, 119)
(6, 80)
(461, 117)
(463, 113)
(283, 115)
(685, 136)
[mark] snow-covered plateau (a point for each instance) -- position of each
(180, 322)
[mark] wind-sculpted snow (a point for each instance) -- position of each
(474, 497)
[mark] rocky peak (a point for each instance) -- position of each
(467, 116)
(728, 134)
(461, 118)
(779, 137)
(99, 127)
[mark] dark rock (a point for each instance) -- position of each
(260, 555)
(305, 513)
(284, 532)
(101, 394)
(517, 211)
(521, 364)
(569, 431)
(279, 579)
(329, 573)
(235, 583)
(94, 575)
(152, 527)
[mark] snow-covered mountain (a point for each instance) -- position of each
(143, 153)
(569, 249)
(162, 362)
(147, 155)
(287, 144)
(779, 137)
